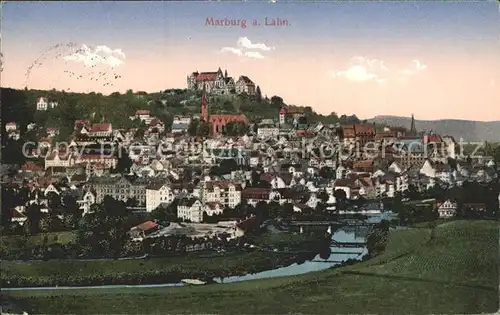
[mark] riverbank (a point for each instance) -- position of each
(455, 271)
(160, 270)
(141, 271)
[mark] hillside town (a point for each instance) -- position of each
(304, 167)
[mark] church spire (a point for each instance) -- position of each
(413, 129)
(204, 105)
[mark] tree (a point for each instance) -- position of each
(277, 101)
(124, 162)
(258, 93)
(54, 201)
(71, 206)
(34, 216)
(235, 129)
(193, 127)
(496, 155)
(287, 210)
(204, 129)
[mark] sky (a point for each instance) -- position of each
(435, 60)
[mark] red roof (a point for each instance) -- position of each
(145, 226)
(207, 76)
(224, 118)
(256, 193)
(30, 166)
(101, 127)
(364, 129)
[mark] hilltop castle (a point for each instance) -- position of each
(220, 83)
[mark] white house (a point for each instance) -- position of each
(59, 159)
(52, 132)
(158, 194)
(213, 208)
(267, 132)
(184, 120)
(190, 209)
(227, 193)
(439, 170)
(312, 201)
(144, 115)
(87, 200)
(11, 126)
(51, 188)
(340, 172)
(42, 103)
(394, 167)
(447, 209)
(278, 183)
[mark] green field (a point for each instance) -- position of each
(451, 269)
(15, 240)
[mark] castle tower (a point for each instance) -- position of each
(204, 105)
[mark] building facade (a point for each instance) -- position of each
(218, 82)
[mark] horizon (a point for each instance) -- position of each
(432, 60)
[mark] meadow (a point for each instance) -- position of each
(452, 268)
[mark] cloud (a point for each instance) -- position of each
(254, 55)
(362, 69)
(357, 73)
(416, 67)
(232, 50)
(244, 42)
(98, 55)
(243, 47)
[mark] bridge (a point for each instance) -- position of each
(348, 244)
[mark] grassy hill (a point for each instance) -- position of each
(469, 130)
(450, 269)
(20, 106)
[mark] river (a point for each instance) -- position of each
(338, 254)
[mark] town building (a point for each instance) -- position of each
(158, 194)
(447, 209)
(43, 104)
(227, 193)
(190, 209)
(143, 115)
(119, 188)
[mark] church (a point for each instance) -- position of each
(218, 122)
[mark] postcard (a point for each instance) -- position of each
(250, 157)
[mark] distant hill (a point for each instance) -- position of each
(468, 130)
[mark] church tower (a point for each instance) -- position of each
(204, 105)
(413, 129)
